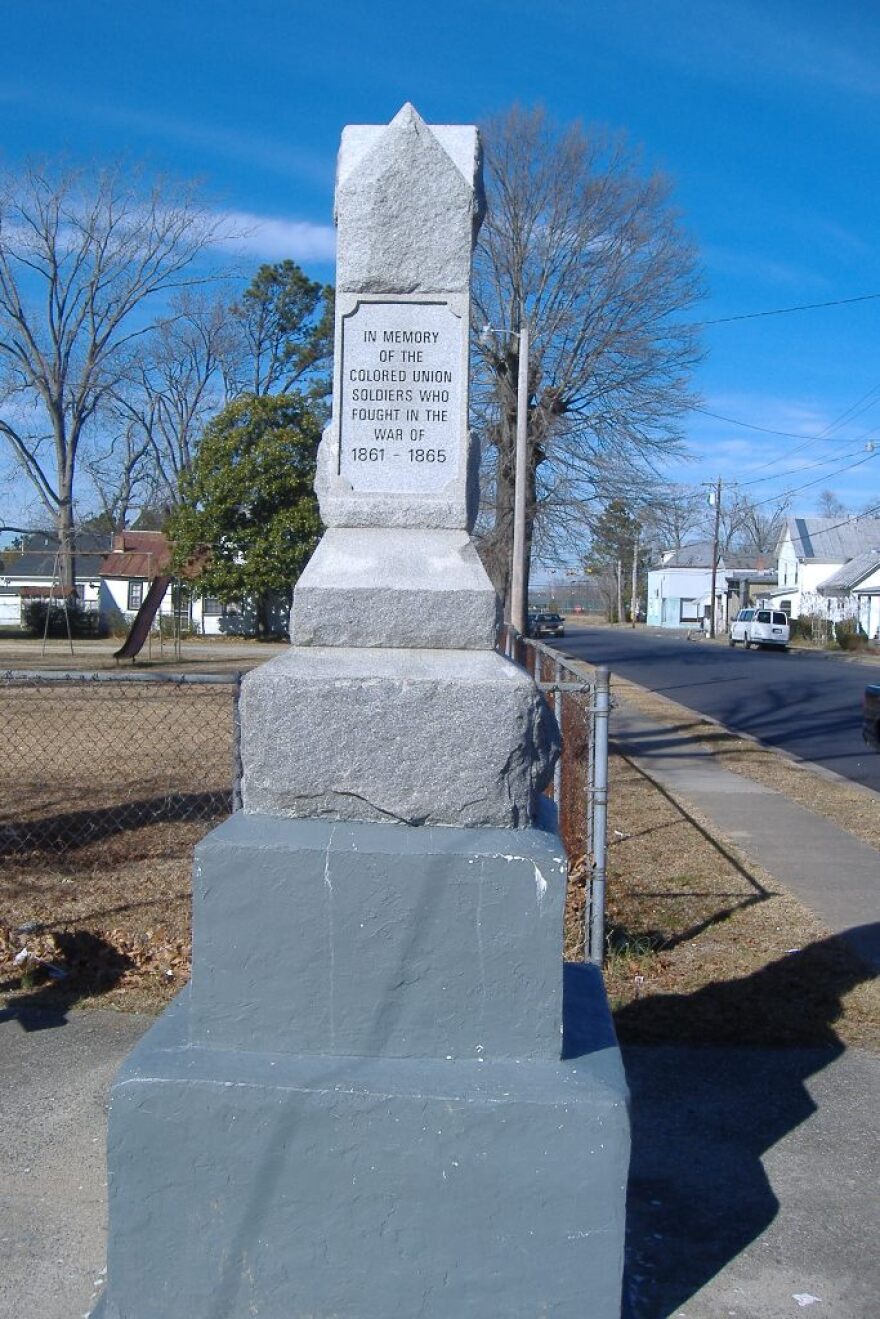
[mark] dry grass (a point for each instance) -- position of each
(102, 794)
(847, 805)
(703, 946)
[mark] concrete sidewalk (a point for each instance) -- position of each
(834, 874)
(750, 1187)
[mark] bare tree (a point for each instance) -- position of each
(171, 387)
(123, 475)
(829, 506)
(672, 515)
(751, 527)
(587, 248)
(81, 259)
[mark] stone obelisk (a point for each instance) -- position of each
(360, 1107)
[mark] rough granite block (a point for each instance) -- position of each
(395, 589)
(314, 936)
(245, 1183)
(409, 736)
(406, 206)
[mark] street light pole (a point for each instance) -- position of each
(715, 534)
(518, 576)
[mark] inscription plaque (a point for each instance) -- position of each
(400, 422)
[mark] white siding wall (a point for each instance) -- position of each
(787, 564)
(667, 587)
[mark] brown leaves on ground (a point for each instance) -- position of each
(704, 947)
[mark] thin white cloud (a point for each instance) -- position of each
(728, 261)
(729, 38)
(275, 238)
(223, 140)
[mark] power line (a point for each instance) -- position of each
(784, 494)
(854, 409)
(822, 462)
(855, 517)
(785, 311)
(765, 430)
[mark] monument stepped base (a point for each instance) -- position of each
(368, 1188)
(339, 937)
(416, 737)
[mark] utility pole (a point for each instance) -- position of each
(620, 590)
(518, 584)
(635, 578)
(717, 502)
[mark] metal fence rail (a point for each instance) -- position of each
(580, 784)
(90, 755)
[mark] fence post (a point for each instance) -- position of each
(591, 770)
(558, 708)
(596, 942)
(236, 743)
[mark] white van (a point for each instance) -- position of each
(760, 627)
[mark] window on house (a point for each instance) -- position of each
(135, 593)
(182, 604)
(689, 611)
(211, 607)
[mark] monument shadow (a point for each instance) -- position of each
(709, 1096)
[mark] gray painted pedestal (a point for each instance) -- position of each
(409, 1141)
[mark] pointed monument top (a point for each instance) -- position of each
(408, 203)
(459, 142)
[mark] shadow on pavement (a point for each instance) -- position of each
(703, 1115)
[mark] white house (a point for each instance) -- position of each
(135, 560)
(113, 575)
(810, 552)
(33, 573)
(680, 587)
(857, 584)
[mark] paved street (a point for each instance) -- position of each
(808, 704)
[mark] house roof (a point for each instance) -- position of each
(144, 554)
(828, 540)
(854, 571)
(41, 592)
(87, 542)
(699, 555)
(43, 564)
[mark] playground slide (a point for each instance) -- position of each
(143, 619)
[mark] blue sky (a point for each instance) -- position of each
(766, 115)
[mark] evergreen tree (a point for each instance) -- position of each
(248, 517)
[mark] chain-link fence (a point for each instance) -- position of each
(90, 755)
(580, 785)
(107, 782)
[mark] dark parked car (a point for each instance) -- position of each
(871, 716)
(549, 625)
